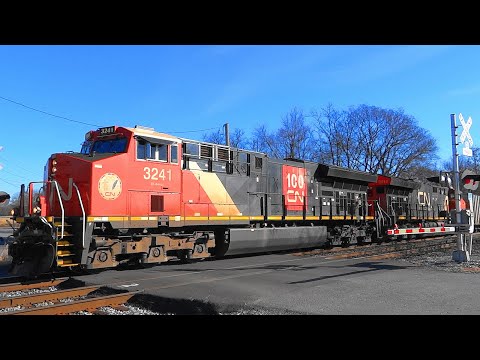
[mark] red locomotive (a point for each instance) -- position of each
(134, 195)
(407, 208)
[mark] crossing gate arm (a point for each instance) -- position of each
(426, 230)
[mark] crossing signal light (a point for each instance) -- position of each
(471, 181)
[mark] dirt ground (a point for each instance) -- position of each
(5, 221)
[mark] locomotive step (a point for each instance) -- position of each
(65, 233)
(62, 253)
(66, 262)
(59, 224)
(69, 264)
(64, 243)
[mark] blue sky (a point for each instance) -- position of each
(183, 89)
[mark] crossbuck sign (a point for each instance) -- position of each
(465, 137)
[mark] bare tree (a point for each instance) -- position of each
(264, 141)
(421, 172)
(294, 139)
(473, 162)
(464, 162)
(374, 140)
(215, 137)
(327, 124)
(237, 138)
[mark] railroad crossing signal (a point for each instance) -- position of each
(465, 137)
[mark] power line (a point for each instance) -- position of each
(18, 166)
(44, 112)
(84, 123)
(19, 176)
(16, 185)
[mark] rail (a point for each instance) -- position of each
(57, 297)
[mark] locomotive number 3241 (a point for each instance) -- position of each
(156, 174)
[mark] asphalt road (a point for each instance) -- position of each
(290, 284)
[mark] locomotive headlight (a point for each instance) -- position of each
(54, 166)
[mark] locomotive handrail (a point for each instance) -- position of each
(59, 199)
(42, 218)
(83, 213)
(61, 206)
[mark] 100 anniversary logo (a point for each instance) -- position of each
(110, 186)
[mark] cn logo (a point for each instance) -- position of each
(294, 187)
(110, 186)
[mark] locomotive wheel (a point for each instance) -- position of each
(184, 257)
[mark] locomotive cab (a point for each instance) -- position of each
(131, 174)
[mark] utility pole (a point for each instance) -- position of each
(460, 254)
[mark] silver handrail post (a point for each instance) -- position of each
(83, 213)
(61, 206)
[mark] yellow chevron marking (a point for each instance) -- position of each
(274, 218)
(312, 217)
(215, 190)
(196, 218)
(293, 217)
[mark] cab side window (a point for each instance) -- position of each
(141, 149)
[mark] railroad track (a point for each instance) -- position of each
(58, 297)
(68, 296)
(386, 250)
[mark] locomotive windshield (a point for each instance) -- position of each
(118, 145)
